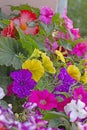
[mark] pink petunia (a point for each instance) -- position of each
(80, 49)
(80, 93)
(46, 15)
(44, 99)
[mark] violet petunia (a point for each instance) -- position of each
(23, 83)
(66, 82)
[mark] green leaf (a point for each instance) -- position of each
(3, 104)
(66, 45)
(9, 51)
(59, 123)
(28, 42)
(4, 23)
(52, 114)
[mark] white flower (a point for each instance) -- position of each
(2, 94)
(75, 109)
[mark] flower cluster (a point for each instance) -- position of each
(43, 61)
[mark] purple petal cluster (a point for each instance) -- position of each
(66, 81)
(6, 117)
(23, 83)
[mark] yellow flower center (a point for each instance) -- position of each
(23, 26)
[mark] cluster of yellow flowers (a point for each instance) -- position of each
(38, 63)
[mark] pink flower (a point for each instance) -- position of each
(25, 18)
(75, 32)
(44, 99)
(80, 93)
(46, 15)
(68, 21)
(80, 49)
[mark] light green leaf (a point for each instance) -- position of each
(28, 42)
(9, 50)
(52, 114)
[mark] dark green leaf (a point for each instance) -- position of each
(9, 51)
(28, 42)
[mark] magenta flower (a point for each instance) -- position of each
(80, 93)
(23, 83)
(80, 49)
(46, 15)
(44, 99)
(75, 32)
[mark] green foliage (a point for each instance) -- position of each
(52, 114)
(77, 11)
(57, 119)
(27, 42)
(9, 51)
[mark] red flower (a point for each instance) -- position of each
(25, 18)
(61, 105)
(9, 31)
(2, 127)
(9, 89)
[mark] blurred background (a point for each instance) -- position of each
(76, 10)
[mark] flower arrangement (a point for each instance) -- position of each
(43, 71)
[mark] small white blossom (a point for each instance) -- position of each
(2, 94)
(75, 109)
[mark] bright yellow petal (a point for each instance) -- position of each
(74, 72)
(36, 53)
(36, 68)
(60, 55)
(84, 78)
(48, 64)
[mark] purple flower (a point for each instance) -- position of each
(6, 117)
(23, 83)
(29, 106)
(51, 46)
(66, 82)
(46, 15)
(65, 77)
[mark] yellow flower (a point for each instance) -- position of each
(47, 64)
(36, 53)
(74, 72)
(84, 78)
(60, 55)
(36, 68)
